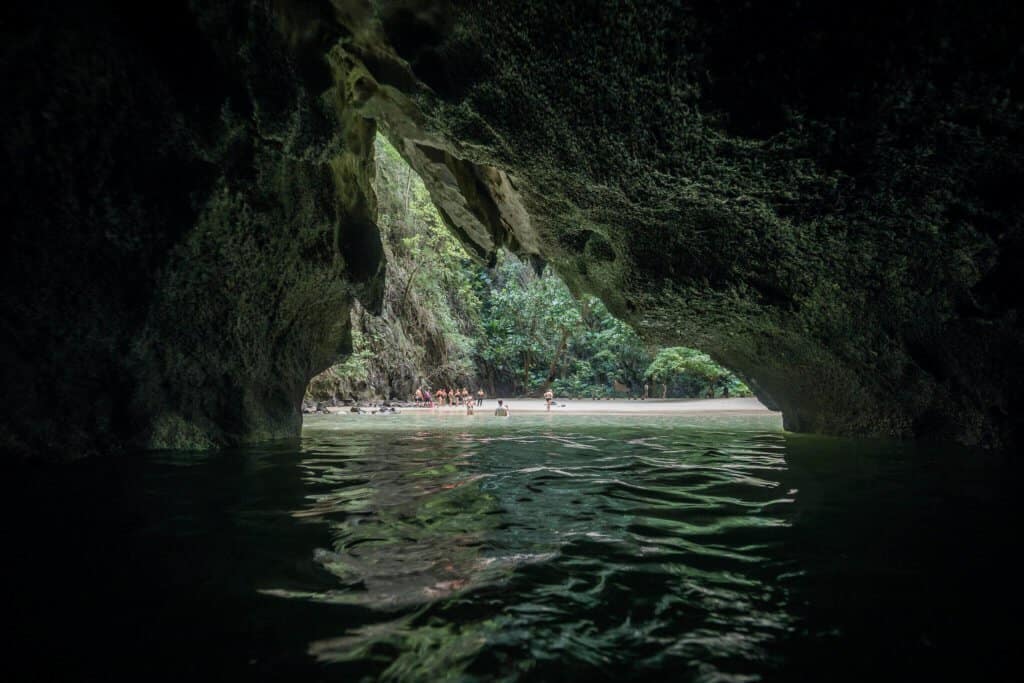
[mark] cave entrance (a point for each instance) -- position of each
(511, 329)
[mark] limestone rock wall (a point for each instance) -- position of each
(824, 197)
(189, 220)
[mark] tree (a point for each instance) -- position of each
(683, 368)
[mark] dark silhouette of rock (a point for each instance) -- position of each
(824, 197)
(189, 220)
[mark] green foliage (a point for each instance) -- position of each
(448, 321)
(430, 291)
(689, 370)
(525, 318)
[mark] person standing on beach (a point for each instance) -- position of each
(480, 397)
(549, 396)
(419, 397)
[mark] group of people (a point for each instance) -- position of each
(456, 397)
(448, 397)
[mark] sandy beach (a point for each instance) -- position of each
(735, 406)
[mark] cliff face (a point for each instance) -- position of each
(190, 218)
(826, 199)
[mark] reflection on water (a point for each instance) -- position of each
(536, 548)
(541, 548)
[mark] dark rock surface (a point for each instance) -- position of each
(189, 220)
(824, 197)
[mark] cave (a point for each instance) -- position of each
(825, 199)
(191, 212)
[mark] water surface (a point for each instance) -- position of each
(536, 548)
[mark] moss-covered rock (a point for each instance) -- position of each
(190, 220)
(825, 198)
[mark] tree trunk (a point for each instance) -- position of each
(408, 189)
(563, 343)
(526, 372)
(408, 285)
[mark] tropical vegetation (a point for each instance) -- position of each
(449, 321)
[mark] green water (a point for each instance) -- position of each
(536, 548)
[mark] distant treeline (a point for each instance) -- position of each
(450, 322)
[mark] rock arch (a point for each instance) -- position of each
(826, 203)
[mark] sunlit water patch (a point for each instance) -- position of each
(422, 547)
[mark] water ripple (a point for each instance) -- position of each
(593, 547)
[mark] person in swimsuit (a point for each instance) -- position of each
(549, 396)
(501, 410)
(479, 397)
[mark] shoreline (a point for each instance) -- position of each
(619, 406)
